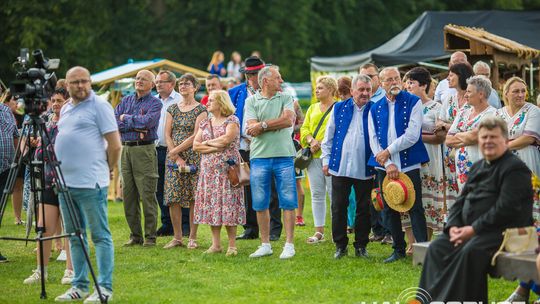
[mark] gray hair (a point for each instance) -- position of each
(170, 75)
(387, 69)
(481, 64)
(362, 78)
(265, 73)
(491, 122)
(482, 84)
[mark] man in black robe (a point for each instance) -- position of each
(497, 195)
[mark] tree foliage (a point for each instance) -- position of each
(100, 34)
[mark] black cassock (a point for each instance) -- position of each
(497, 195)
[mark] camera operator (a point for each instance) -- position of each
(49, 213)
(8, 136)
(86, 122)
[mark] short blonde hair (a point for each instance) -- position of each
(510, 82)
(328, 82)
(224, 101)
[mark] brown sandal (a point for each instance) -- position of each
(192, 244)
(173, 243)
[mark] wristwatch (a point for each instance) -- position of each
(264, 125)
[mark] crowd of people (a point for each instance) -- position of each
(401, 158)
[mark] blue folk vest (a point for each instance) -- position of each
(343, 113)
(404, 104)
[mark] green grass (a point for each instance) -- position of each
(155, 275)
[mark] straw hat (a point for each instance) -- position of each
(376, 199)
(399, 193)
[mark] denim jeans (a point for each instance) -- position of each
(90, 206)
(281, 169)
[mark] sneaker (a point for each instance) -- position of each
(516, 297)
(263, 250)
(62, 257)
(35, 277)
(68, 277)
(299, 221)
(72, 294)
(3, 259)
(94, 297)
(288, 252)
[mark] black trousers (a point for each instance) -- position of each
(165, 216)
(251, 227)
(459, 273)
(392, 218)
(341, 189)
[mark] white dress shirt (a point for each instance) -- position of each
(353, 153)
(442, 91)
(175, 97)
(397, 144)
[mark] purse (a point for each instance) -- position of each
(517, 240)
(304, 156)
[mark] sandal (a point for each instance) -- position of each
(231, 251)
(173, 243)
(213, 250)
(316, 238)
(192, 244)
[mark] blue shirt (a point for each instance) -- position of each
(8, 131)
(80, 145)
(141, 117)
(175, 97)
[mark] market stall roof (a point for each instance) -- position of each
(131, 68)
(423, 39)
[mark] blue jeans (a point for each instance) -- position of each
(261, 174)
(90, 206)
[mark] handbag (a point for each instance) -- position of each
(304, 156)
(238, 174)
(517, 240)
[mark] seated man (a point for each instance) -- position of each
(497, 195)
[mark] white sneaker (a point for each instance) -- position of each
(263, 250)
(94, 298)
(288, 252)
(35, 277)
(516, 297)
(62, 257)
(68, 277)
(71, 295)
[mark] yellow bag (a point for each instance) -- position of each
(517, 240)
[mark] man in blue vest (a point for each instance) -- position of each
(345, 152)
(239, 94)
(395, 129)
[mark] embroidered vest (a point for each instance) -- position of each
(343, 113)
(404, 104)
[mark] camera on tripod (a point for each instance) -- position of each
(34, 84)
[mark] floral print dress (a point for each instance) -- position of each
(466, 156)
(216, 201)
(526, 122)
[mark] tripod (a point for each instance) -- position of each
(39, 164)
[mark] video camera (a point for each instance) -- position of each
(35, 84)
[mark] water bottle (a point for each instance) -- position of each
(183, 169)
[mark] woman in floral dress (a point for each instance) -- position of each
(451, 106)
(463, 134)
(432, 173)
(181, 125)
(217, 203)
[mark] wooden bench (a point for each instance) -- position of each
(509, 266)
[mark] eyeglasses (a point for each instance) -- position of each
(396, 79)
(78, 82)
(141, 79)
(184, 84)
(163, 81)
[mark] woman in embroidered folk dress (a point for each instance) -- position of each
(217, 203)
(182, 122)
(431, 173)
(523, 121)
(463, 134)
(320, 185)
(451, 106)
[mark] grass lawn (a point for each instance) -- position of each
(156, 275)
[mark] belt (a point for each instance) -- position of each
(138, 143)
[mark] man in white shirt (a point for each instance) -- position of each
(165, 83)
(395, 129)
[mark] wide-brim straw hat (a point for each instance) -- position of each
(399, 193)
(376, 199)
